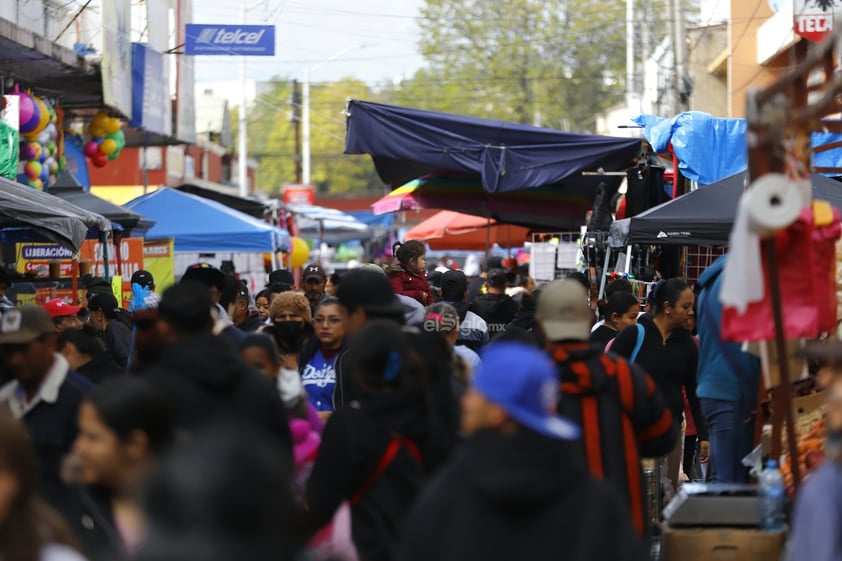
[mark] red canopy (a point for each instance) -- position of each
(450, 230)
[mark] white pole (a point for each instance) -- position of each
(242, 149)
(629, 54)
(305, 128)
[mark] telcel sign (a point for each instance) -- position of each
(813, 19)
(241, 40)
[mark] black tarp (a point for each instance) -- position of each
(69, 189)
(251, 207)
(47, 215)
(704, 216)
(407, 143)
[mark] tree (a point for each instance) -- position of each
(555, 63)
(271, 138)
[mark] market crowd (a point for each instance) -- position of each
(400, 413)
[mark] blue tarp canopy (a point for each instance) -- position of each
(408, 143)
(710, 148)
(203, 225)
(369, 218)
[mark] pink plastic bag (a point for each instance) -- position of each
(334, 540)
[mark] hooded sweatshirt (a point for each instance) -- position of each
(205, 379)
(520, 496)
(725, 371)
(498, 310)
(410, 284)
(353, 445)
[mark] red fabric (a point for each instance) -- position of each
(804, 254)
(411, 285)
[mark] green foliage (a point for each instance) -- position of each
(554, 63)
(271, 138)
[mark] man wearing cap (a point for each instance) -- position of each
(622, 415)
(315, 281)
(495, 306)
(519, 486)
(280, 280)
(65, 316)
(473, 330)
(45, 394)
(367, 294)
(145, 290)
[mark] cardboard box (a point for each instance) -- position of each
(720, 544)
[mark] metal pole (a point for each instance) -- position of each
(629, 54)
(145, 163)
(296, 117)
(305, 128)
(242, 150)
(604, 273)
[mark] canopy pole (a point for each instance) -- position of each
(103, 239)
(602, 281)
(74, 281)
(628, 259)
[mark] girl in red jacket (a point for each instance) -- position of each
(410, 277)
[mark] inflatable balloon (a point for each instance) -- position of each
(31, 151)
(45, 174)
(52, 165)
(44, 116)
(29, 113)
(32, 169)
(113, 155)
(91, 148)
(52, 148)
(299, 253)
(96, 131)
(99, 159)
(112, 125)
(36, 184)
(108, 146)
(100, 120)
(62, 162)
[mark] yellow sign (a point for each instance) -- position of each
(159, 259)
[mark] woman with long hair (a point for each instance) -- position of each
(125, 426)
(662, 346)
(375, 454)
(620, 311)
(29, 529)
(317, 363)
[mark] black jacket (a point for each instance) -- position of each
(518, 497)
(672, 365)
(206, 379)
(497, 310)
(118, 340)
(100, 368)
(89, 514)
(251, 324)
(353, 444)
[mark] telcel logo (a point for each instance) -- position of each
(234, 37)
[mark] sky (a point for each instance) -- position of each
(373, 40)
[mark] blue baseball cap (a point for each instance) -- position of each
(523, 381)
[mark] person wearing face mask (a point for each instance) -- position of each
(290, 327)
(817, 516)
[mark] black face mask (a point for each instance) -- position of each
(288, 334)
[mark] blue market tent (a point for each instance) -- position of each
(203, 225)
(408, 143)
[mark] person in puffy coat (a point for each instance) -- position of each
(409, 278)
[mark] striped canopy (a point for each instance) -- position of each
(561, 207)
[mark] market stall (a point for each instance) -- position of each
(451, 230)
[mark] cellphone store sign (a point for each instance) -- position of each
(240, 40)
(813, 19)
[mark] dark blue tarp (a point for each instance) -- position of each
(202, 225)
(711, 148)
(408, 143)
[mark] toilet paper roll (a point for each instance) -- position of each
(774, 202)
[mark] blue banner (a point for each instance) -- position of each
(149, 90)
(76, 163)
(242, 40)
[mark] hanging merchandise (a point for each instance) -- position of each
(39, 150)
(9, 123)
(107, 139)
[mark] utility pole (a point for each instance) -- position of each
(678, 30)
(295, 117)
(242, 149)
(630, 55)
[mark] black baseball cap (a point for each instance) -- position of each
(496, 278)
(206, 274)
(281, 276)
(314, 271)
(143, 278)
(371, 291)
(453, 282)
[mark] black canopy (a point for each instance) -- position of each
(704, 216)
(251, 207)
(69, 189)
